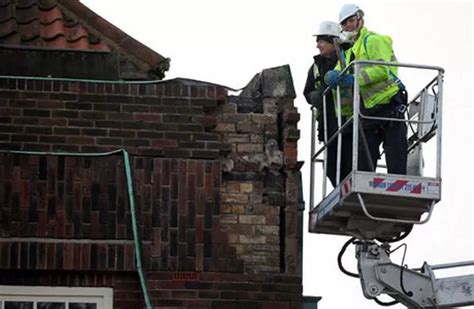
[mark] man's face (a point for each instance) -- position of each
(325, 48)
(350, 24)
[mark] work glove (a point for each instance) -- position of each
(346, 80)
(316, 99)
(332, 78)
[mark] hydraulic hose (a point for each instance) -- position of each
(341, 254)
(128, 175)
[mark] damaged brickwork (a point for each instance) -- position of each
(259, 201)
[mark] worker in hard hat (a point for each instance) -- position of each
(313, 91)
(382, 93)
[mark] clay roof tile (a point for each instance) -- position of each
(7, 12)
(27, 15)
(7, 28)
(29, 31)
(52, 30)
(50, 16)
(24, 4)
(4, 3)
(70, 24)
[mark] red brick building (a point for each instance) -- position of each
(205, 210)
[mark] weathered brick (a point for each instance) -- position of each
(39, 130)
(80, 123)
(52, 139)
(124, 133)
(263, 118)
(234, 118)
(246, 187)
(26, 120)
(110, 141)
(237, 138)
(78, 106)
(50, 104)
(225, 127)
(108, 124)
(248, 239)
(66, 131)
(252, 219)
(206, 121)
(248, 127)
(291, 134)
(22, 103)
(127, 108)
(24, 138)
(94, 132)
(106, 107)
(201, 136)
(232, 198)
(148, 117)
(36, 113)
(249, 148)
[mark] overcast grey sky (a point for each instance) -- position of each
(228, 41)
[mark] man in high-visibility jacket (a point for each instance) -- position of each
(381, 92)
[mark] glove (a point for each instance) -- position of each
(331, 78)
(316, 99)
(346, 80)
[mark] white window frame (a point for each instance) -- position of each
(102, 296)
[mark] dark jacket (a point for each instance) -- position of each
(314, 94)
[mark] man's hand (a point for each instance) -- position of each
(346, 80)
(316, 99)
(332, 78)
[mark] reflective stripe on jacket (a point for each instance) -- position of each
(377, 83)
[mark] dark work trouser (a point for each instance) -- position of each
(346, 158)
(393, 136)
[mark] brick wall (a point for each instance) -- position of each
(167, 119)
(214, 179)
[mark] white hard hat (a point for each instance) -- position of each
(349, 10)
(328, 28)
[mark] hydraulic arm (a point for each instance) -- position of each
(414, 288)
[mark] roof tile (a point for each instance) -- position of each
(24, 4)
(7, 28)
(69, 24)
(42, 23)
(4, 2)
(12, 39)
(50, 16)
(7, 12)
(29, 31)
(27, 15)
(52, 30)
(76, 33)
(47, 4)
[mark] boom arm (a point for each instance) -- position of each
(415, 289)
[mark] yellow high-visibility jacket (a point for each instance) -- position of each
(377, 83)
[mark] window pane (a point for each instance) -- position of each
(51, 305)
(82, 306)
(18, 305)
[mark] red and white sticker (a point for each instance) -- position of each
(346, 187)
(398, 185)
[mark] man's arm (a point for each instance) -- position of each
(378, 48)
